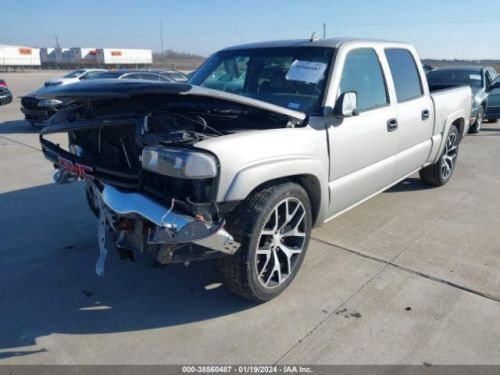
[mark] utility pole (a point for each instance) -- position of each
(161, 36)
(324, 30)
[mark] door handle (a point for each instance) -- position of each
(425, 114)
(392, 124)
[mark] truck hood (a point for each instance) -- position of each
(123, 88)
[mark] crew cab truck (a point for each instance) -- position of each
(296, 133)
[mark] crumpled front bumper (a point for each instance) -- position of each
(171, 227)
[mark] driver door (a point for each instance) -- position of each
(362, 147)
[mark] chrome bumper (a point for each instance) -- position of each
(172, 227)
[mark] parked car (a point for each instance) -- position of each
(37, 115)
(428, 68)
(478, 78)
(5, 94)
(174, 74)
(493, 109)
(135, 74)
(188, 172)
(74, 76)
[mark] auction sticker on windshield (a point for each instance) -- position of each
(306, 71)
(476, 77)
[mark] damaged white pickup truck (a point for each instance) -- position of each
(265, 142)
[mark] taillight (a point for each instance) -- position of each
(3, 83)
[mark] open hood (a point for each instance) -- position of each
(122, 88)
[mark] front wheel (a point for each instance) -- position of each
(91, 192)
(478, 124)
(439, 174)
(274, 227)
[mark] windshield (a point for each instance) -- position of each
(293, 77)
(455, 78)
(74, 74)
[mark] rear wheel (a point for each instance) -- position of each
(476, 127)
(439, 174)
(273, 227)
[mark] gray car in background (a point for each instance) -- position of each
(493, 110)
(480, 79)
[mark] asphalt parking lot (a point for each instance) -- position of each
(410, 276)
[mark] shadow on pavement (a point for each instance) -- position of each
(17, 127)
(410, 184)
(48, 284)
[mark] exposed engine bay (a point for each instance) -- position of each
(151, 188)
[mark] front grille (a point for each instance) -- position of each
(29, 102)
(113, 146)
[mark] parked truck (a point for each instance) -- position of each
(296, 133)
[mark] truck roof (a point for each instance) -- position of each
(328, 43)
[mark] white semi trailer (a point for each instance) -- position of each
(124, 57)
(19, 57)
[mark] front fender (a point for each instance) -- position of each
(250, 159)
(249, 179)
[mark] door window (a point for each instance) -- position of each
(132, 76)
(90, 75)
(150, 76)
(404, 74)
(489, 80)
(363, 74)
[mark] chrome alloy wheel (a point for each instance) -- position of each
(281, 242)
(449, 155)
(480, 118)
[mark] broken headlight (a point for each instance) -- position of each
(179, 163)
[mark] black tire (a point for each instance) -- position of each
(89, 195)
(240, 272)
(437, 174)
(492, 120)
(478, 124)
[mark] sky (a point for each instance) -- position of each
(462, 29)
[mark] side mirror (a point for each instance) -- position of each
(347, 105)
(493, 86)
(82, 78)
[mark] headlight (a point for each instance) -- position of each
(49, 103)
(179, 163)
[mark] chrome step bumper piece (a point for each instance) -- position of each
(173, 227)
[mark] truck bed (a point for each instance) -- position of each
(449, 102)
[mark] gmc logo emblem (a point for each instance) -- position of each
(82, 171)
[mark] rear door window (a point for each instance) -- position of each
(404, 74)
